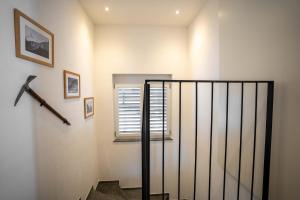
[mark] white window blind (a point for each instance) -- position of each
(156, 110)
(129, 110)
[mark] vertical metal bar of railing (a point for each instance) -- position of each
(241, 140)
(179, 143)
(146, 144)
(254, 140)
(163, 140)
(210, 140)
(268, 140)
(196, 139)
(226, 140)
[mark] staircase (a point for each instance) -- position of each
(111, 190)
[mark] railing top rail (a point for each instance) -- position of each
(208, 81)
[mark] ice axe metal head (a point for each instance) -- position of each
(24, 88)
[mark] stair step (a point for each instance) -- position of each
(133, 193)
(111, 190)
(101, 196)
(136, 194)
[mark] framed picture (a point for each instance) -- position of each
(33, 41)
(88, 107)
(71, 85)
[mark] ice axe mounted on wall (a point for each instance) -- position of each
(26, 88)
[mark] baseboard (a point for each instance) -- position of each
(90, 193)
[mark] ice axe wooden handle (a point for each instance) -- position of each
(26, 88)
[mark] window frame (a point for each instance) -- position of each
(136, 136)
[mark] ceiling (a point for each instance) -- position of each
(142, 12)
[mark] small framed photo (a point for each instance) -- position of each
(71, 85)
(33, 41)
(88, 107)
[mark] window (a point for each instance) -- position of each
(129, 104)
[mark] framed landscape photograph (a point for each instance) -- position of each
(33, 41)
(71, 85)
(88, 107)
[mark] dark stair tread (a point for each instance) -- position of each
(136, 194)
(158, 196)
(133, 193)
(101, 196)
(111, 188)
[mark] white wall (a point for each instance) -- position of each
(260, 40)
(204, 42)
(40, 157)
(67, 157)
(204, 63)
(17, 138)
(204, 53)
(133, 50)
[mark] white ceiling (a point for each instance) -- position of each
(142, 12)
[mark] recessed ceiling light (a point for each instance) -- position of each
(177, 12)
(107, 9)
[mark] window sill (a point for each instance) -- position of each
(138, 139)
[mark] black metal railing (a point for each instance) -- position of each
(267, 146)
